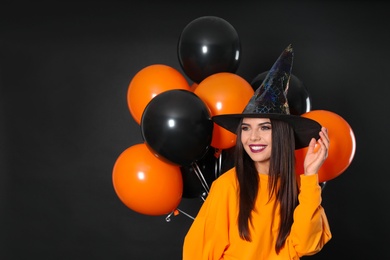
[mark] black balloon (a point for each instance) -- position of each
(298, 97)
(212, 165)
(207, 168)
(208, 45)
(177, 127)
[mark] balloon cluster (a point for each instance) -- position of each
(183, 149)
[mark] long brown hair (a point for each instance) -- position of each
(282, 171)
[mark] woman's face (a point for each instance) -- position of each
(256, 138)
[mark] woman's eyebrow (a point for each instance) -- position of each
(260, 124)
(265, 123)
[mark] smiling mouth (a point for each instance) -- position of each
(257, 148)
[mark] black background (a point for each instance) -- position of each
(65, 70)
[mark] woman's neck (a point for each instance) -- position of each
(262, 167)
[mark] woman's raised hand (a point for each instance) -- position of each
(315, 157)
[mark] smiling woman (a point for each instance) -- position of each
(256, 138)
(262, 189)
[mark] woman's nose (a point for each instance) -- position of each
(255, 136)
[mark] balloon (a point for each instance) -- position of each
(208, 45)
(297, 95)
(224, 93)
(177, 127)
(342, 145)
(208, 167)
(146, 184)
(148, 83)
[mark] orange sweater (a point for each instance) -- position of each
(214, 232)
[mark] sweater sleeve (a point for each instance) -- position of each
(310, 230)
(207, 237)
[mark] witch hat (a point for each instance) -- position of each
(270, 101)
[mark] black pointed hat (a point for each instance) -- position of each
(270, 101)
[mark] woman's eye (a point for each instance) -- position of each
(244, 128)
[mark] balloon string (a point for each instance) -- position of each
(175, 213)
(200, 176)
(168, 218)
(188, 215)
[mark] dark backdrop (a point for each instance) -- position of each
(65, 70)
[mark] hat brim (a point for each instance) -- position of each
(304, 128)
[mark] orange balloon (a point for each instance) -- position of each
(146, 184)
(224, 93)
(342, 145)
(148, 83)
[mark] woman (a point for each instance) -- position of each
(259, 209)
